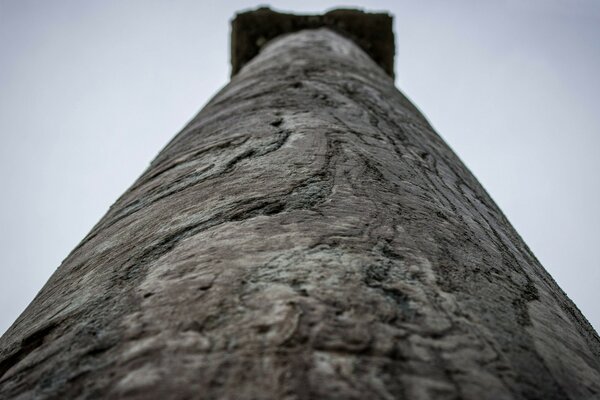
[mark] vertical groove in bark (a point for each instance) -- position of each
(306, 235)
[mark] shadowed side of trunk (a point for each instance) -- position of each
(307, 235)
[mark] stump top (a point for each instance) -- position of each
(372, 32)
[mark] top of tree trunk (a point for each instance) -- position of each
(372, 32)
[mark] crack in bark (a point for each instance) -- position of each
(27, 346)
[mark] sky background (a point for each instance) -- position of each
(90, 91)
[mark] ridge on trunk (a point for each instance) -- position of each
(307, 235)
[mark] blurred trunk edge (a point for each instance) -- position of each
(306, 236)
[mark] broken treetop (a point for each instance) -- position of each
(371, 31)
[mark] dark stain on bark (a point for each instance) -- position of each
(28, 345)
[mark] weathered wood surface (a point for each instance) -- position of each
(307, 235)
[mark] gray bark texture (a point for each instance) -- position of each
(306, 236)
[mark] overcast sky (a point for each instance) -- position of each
(90, 91)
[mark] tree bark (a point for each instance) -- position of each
(307, 235)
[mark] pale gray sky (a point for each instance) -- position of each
(90, 91)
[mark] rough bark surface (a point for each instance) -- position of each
(307, 235)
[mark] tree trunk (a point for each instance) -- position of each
(307, 235)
